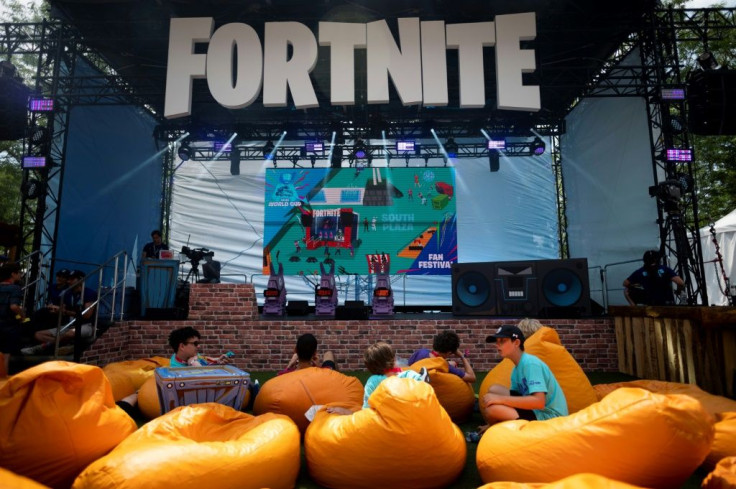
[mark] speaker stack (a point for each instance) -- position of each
(532, 288)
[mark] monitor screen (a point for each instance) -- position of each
(33, 162)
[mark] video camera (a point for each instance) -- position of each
(197, 254)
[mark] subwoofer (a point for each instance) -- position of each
(473, 289)
(564, 289)
(516, 288)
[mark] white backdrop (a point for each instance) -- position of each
(505, 215)
(725, 229)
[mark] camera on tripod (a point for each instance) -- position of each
(196, 255)
(211, 268)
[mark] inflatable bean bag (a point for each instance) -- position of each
(127, 377)
(712, 403)
(723, 476)
(294, 393)
(632, 435)
(57, 418)
(724, 444)
(198, 446)
(455, 395)
(577, 481)
(9, 480)
(545, 344)
(149, 404)
(406, 439)
(722, 408)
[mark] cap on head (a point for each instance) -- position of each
(64, 272)
(650, 257)
(76, 274)
(506, 331)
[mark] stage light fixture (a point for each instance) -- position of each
(33, 162)
(32, 189)
(41, 105)
(708, 62)
(184, 151)
(359, 149)
(494, 161)
(221, 147)
(405, 146)
(314, 146)
(268, 150)
(496, 144)
(676, 154)
(451, 147)
(538, 147)
(38, 135)
(676, 124)
(672, 94)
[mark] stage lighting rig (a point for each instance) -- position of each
(538, 146)
(184, 151)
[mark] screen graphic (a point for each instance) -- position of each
(366, 220)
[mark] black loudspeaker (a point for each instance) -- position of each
(297, 308)
(516, 288)
(564, 289)
(13, 108)
(711, 97)
(352, 310)
(473, 289)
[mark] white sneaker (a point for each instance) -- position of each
(424, 374)
(33, 350)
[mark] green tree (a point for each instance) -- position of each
(11, 177)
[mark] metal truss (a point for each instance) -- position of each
(675, 186)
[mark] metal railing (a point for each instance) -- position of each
(118, 261)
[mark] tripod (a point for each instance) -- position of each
(193, 272)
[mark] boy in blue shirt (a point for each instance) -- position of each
(535, 394)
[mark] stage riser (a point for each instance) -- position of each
(230, 321)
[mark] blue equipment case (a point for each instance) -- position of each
(183, 386)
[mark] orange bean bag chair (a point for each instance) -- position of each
(722, 408)
(294, 393)
(577, 481)
(546, 345)
(128, 376)
(406, 439)
(723, 476)
(455, 395)
(9, 480)
(201, 445)
(57, 418)
(632, 435)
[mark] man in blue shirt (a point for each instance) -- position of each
(535, 394)
(651, 284)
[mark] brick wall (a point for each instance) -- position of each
(226, 316)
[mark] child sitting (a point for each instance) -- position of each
(380, 360)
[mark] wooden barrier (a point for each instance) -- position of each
(693, 345)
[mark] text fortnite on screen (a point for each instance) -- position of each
(418, 69)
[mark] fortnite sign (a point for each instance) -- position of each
(418, 68)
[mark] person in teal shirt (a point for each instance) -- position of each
(535, 394)
(185, 343)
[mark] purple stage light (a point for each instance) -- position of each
(496, 144)
(314, 147)
(674, 154)
(672, 94)
(405, 145)
(223, 147)
(33, 162)
(41, 105)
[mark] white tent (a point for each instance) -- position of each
(725, 235)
